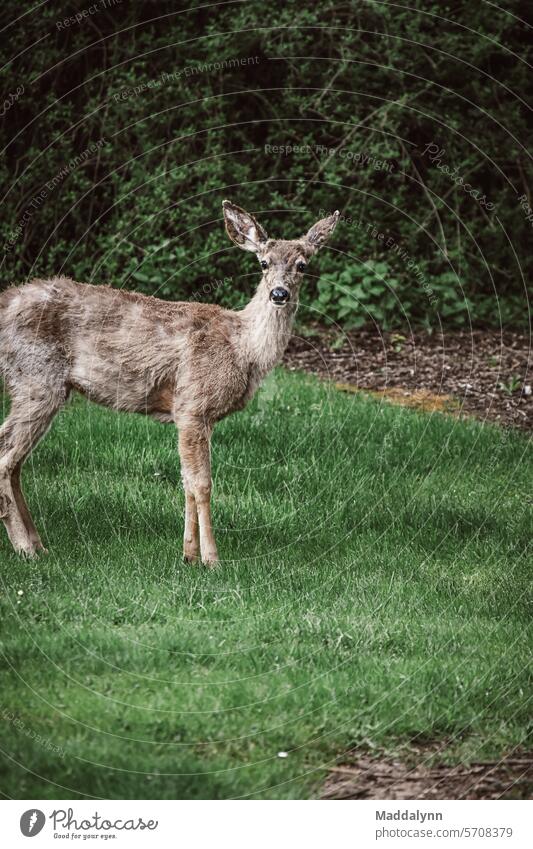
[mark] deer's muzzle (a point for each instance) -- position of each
(279, 295)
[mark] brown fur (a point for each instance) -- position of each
(187, 363)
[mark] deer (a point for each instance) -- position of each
(181, 362)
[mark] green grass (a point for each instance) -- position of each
(374, 589)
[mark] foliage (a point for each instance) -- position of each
(125, 129)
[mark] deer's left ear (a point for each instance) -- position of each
(321, 231)
(242, 228)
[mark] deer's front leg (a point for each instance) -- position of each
(196, 471)
(191, 538)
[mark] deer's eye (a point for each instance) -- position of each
(264, 264)
(301, 266)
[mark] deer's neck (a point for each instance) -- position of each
(266, 331)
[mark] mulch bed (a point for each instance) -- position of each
(369, 777)
(483, 373)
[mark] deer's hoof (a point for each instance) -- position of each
(210, 561)
(190, 558)
(28, 552)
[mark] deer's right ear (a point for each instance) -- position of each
(242, 228)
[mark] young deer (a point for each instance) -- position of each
(187, 363)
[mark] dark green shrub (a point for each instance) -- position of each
(135, 122)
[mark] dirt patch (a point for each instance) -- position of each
(419, 777)
(483, 373)
(419, 399)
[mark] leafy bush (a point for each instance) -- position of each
(134, 123)
(371, 292)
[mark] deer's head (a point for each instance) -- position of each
(283, 262)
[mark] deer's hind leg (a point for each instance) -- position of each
(16, 486)
(32, 411)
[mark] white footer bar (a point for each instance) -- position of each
(268, 824)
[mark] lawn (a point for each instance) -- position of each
(374, 589)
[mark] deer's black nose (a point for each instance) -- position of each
(279, 295)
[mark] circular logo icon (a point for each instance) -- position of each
(31, 822)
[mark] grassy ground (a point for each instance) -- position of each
(374, 589)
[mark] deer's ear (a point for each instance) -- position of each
(321, 231)
(242, 228)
